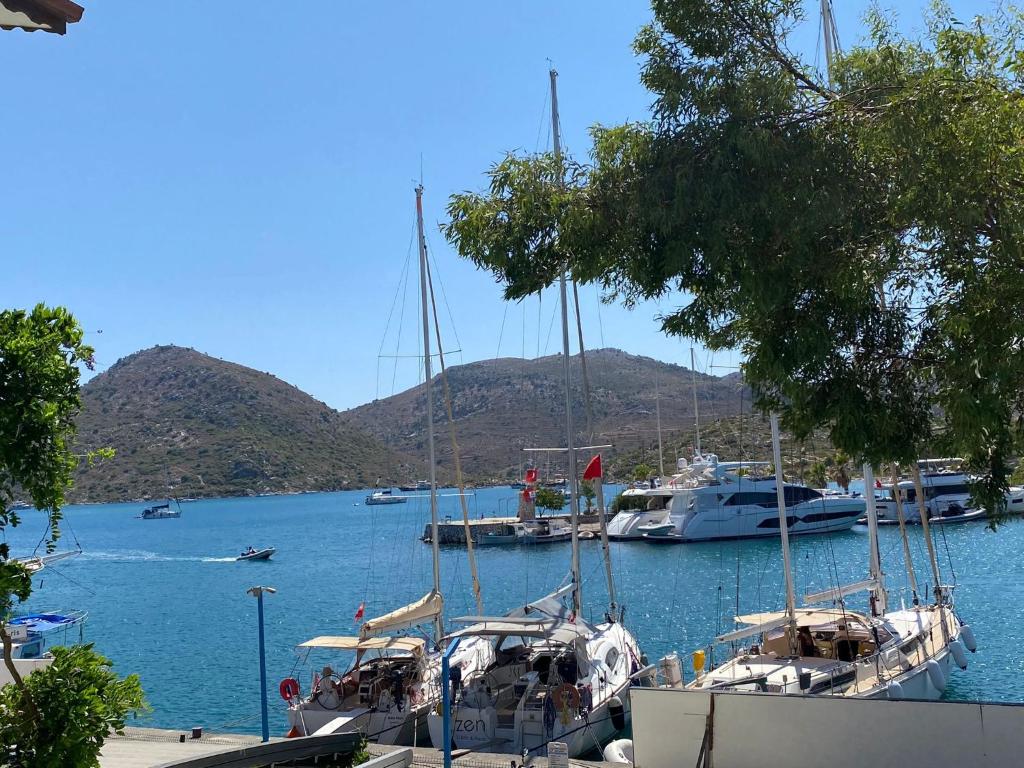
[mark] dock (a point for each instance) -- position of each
(162, 748)
(452, 530)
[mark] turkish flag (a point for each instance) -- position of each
(593, 470)
(359, 613)
(531, 475)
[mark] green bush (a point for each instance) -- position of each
(621, 503)
(71, 708)
(548, 498)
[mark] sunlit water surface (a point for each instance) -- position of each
(167, 600)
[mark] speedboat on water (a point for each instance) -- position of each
(257, 554)
(384, 496)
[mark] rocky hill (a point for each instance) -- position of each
(502, 406)
(185, 423)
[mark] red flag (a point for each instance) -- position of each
(531, 475)
(527, 496)
(360, 612)
(593, 470)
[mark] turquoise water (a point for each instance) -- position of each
(167, 600)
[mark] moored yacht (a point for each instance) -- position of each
(384, 496)
(708, 500)
(947, 494)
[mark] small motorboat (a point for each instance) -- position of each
(949, 517)
(619, 751)
(257, 554)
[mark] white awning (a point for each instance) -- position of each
(562, 632)
(420, 612)
(407, 644)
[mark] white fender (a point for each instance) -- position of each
(619, 751)
(967, 635)
(959, 654)
(894, 691)
(935, 675)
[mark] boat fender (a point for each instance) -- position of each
(619, 751)
(617, 713)
(935, 674)
(894, 690)
(289, 689)
(959, 654)
(967, 635)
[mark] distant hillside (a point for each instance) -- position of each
(502, 406)
(187, 423)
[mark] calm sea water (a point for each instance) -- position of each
(167, 600)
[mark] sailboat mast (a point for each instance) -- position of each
(828, 29)
(657, 412)
(696, 410)
(780, 496)
(879, 597)
(435, 544)
(577, 592)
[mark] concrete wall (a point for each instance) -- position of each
(24, 666)
(765, 730)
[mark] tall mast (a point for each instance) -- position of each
(780, 496)
(587, 409)
(438, 628)
(696, 410)
(926, 529)
(879, 596)
(828, 29)
(577, 581)
(907, 557)
(657, 411)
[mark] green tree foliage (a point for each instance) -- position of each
(549, 498)
(859, 239)
(78, 702)
(39, 398)
(817, 475)
(587, 492)
(622, 502)
(642, 472)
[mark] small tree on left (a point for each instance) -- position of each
(41, 352)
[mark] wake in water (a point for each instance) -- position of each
(141, 555)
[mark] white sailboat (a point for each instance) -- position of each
(393, 683)
(907, 653)
(555, 676)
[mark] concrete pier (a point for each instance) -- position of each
(452, 531)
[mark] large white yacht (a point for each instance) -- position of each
(947, 493)
(708, 500)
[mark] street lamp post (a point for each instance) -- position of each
(257, 592)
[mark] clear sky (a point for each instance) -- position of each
(238, 177)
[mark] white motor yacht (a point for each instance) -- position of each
(947, 494)
(708, 500)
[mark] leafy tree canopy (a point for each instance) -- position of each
(549, 498)
(859, 238)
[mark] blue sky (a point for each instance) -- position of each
(244, 186)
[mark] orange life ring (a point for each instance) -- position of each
(289, 688)
(566, 695)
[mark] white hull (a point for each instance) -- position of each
(751, 521)
(624, 526)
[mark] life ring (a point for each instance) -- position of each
(289, 688)
(566, 696)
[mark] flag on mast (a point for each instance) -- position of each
(359, 612)
(593, 470)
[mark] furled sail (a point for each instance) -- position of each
(422, 611)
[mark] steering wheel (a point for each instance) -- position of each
(326, 693)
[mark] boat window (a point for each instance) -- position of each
(818, 517)
(751, 497)
(948, 490)
(611, 657)
(656, 503)
(773, 522)
(797, 494)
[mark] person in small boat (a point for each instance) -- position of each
(249, 551)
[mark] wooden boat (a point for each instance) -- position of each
(259, 554)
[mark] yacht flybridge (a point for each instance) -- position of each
(708, 500)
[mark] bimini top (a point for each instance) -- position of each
(43, 623)
(414, 645)
(804, 617)
(556, 630)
